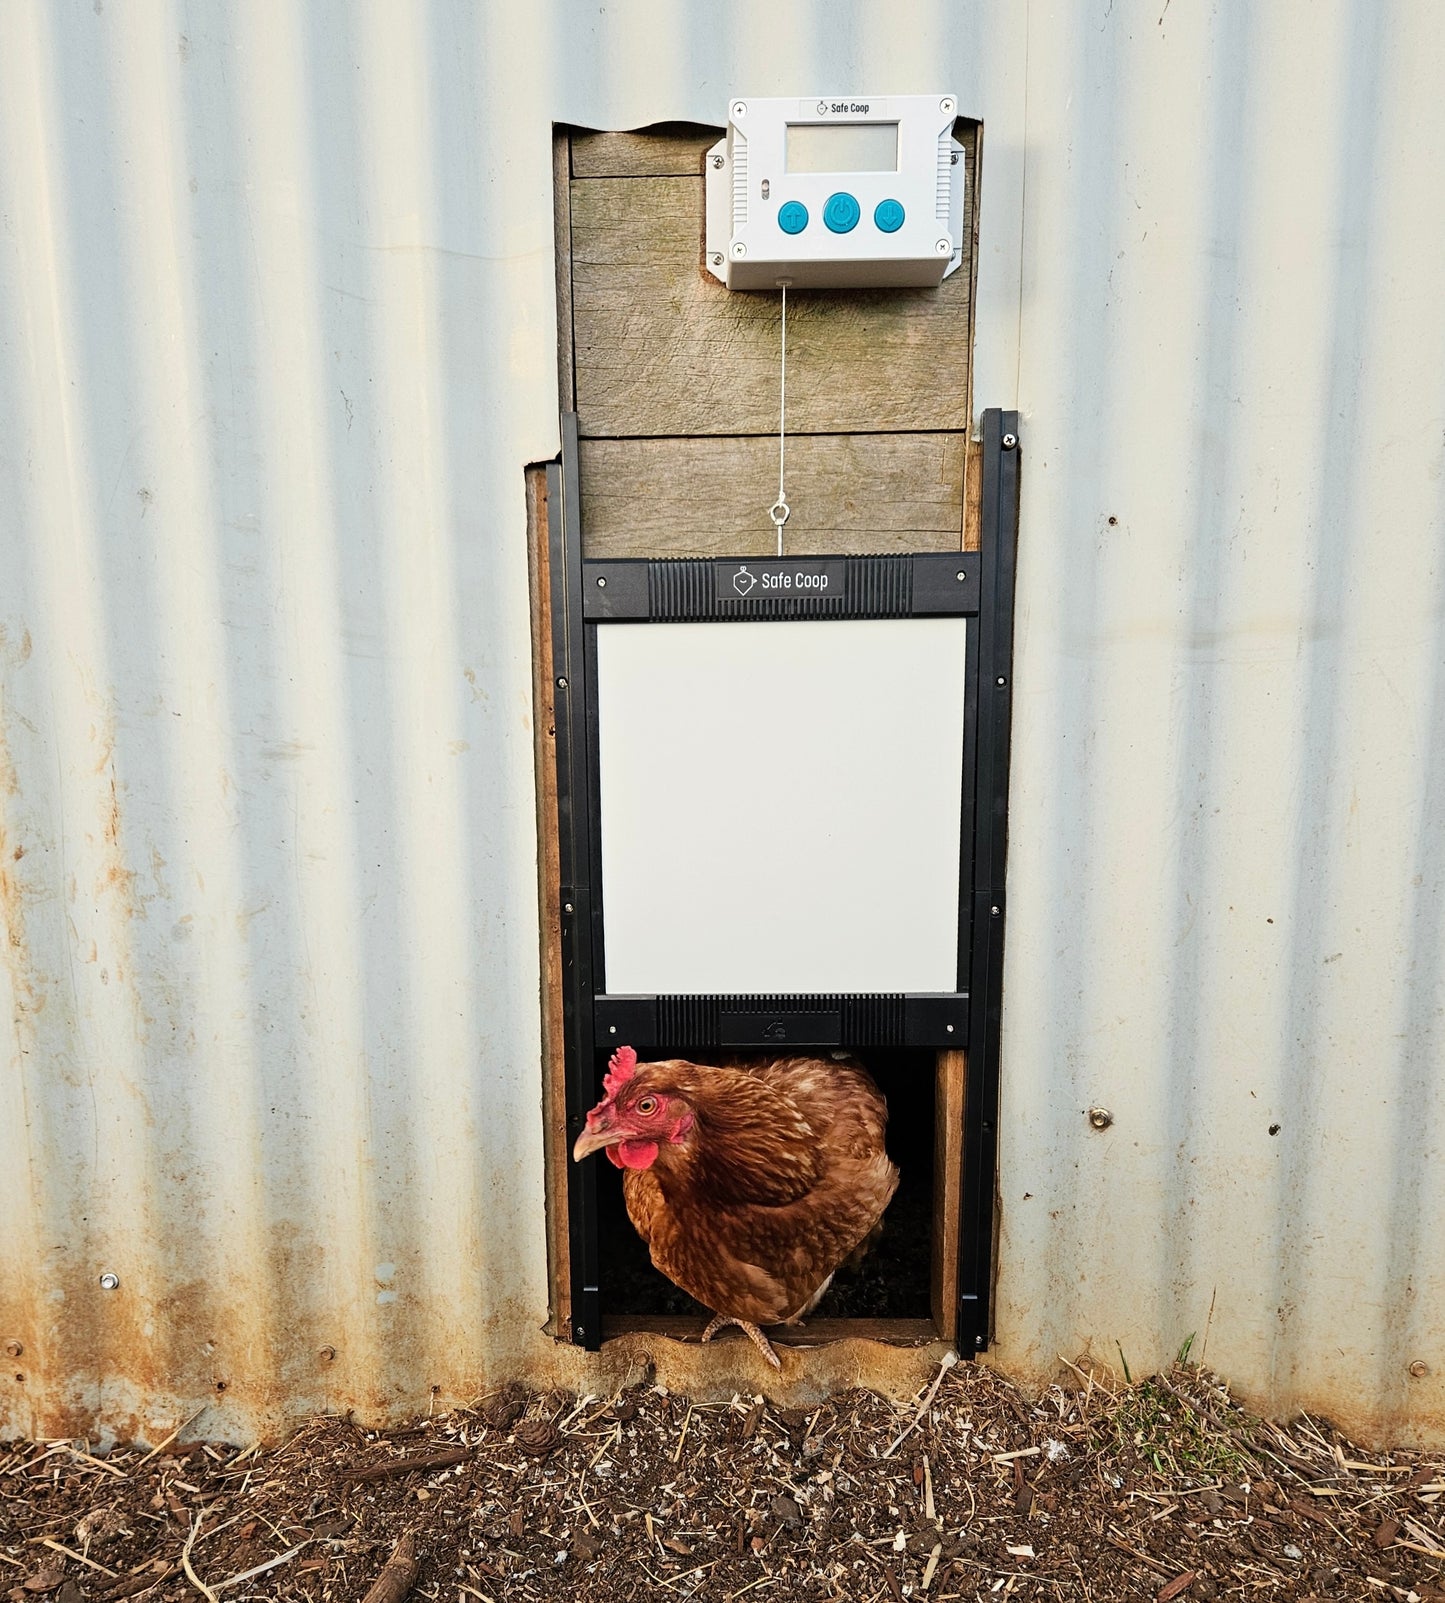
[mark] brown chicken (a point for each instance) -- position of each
(750, 1185)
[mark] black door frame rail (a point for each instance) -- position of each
(977, 585)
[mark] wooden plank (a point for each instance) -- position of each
(973, 498)
(668, 149)
(813, 1333)
(710, 497)
(950, 1082)
(562, 241)
(663, 349)
(549, 879)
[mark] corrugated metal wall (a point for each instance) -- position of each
(277, 335)
(1229, 796)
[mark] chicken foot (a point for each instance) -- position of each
(751, 1331)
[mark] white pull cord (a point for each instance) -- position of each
(780, 511)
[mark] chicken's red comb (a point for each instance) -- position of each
(620, 1068)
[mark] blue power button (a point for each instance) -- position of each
(841, 212)
(888, 215)
(792, 217)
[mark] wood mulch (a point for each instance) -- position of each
(1097, 1490)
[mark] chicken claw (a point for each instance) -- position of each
(751, 1331)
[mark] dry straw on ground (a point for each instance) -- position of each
(1095, 1491)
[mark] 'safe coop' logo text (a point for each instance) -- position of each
(765, 579)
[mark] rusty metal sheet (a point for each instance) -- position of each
(277, 337)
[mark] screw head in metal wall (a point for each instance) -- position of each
(1100, 1118)
(561, 684)
(15, 1348)
(1419, 1369)
(327, 1355)
(108, 1281)
(1009, 441)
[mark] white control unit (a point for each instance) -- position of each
(862, 191)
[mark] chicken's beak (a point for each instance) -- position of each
(593, 1140)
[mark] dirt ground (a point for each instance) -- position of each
(1095, 1491)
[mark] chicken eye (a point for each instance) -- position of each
(647, 1106)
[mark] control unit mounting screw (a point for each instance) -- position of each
(1100, 1118)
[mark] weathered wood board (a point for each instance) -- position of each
(562, 241)
(949, 1089)
(669, 149)
(710, 497)
(549, 898)
(973, 499)
(662, 349)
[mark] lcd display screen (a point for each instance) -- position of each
(781, 805)
(842, 147)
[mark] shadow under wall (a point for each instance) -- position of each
(893, 1282)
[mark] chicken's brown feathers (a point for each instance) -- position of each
(783, 1174)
